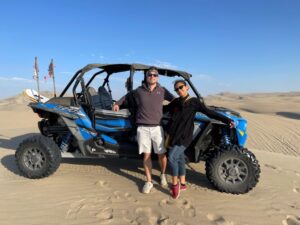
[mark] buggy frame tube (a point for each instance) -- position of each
(69, 84)
(93, 77)
(194, 89)
(74, 91)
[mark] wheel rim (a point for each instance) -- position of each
(233, 171)
(34, 159)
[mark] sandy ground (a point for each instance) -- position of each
(108, 191)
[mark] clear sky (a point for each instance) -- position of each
(233, 45)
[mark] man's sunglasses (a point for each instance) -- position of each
(179, 88)
(152, 75)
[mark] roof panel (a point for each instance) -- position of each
(115, 68)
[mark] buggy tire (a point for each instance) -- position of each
(38, 157)
(233, 169)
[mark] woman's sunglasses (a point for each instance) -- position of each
(179, 88)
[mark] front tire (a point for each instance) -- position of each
(233, 170)
(38, 157)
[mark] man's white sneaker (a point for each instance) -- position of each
(147, 187)
(163, 180)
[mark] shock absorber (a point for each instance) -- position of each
(64, 145)
(225, 140)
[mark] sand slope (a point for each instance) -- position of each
(273, 119)
(107, 191)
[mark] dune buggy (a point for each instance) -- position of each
(85, 125)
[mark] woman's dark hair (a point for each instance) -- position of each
(179, 81)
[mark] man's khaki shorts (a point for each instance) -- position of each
(148, 136)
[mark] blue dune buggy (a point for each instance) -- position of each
(85, 125)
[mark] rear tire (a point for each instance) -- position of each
(233, 170)
(38, 157)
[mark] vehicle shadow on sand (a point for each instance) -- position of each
(131, 169)
(9, 163)
(13, 143)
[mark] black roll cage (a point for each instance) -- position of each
(116, 68)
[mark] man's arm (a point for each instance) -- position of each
(120, 102)
(126, 101)
(169, 107)
(168, 95)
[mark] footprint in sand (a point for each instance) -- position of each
(121, 196)
(277, 169)
(294, 205)
(291, 220)
(146, 215)
(75, 209)
(105, 215)
(187, 210)
(102, 184)
(296, 190)
(274, 209)
(217, 220)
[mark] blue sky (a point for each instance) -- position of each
(236, 46)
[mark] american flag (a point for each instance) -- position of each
(51, 69)
(35, 69)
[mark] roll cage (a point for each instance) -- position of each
(117, 68)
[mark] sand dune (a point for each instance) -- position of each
(273, 119)
(108, 191)
(282, 104)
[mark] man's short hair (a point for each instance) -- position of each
(152, 68)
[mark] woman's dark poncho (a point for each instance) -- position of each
(183, 110)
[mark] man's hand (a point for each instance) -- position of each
(116, 108)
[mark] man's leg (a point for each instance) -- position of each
(148, 166)
(144, 141)
(162, 160)
(157, 136)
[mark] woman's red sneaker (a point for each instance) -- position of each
(175, 191)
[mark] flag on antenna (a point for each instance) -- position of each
(51, 69)
(51, 74)
(35, 69)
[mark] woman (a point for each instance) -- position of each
(180, 131)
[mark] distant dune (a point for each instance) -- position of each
(273, 119)
(18, 101)
(108, 191)
(268, 103)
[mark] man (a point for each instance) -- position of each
(149, 102)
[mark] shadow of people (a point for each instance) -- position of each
(131, 169)
(127, 167)
(13, 143)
